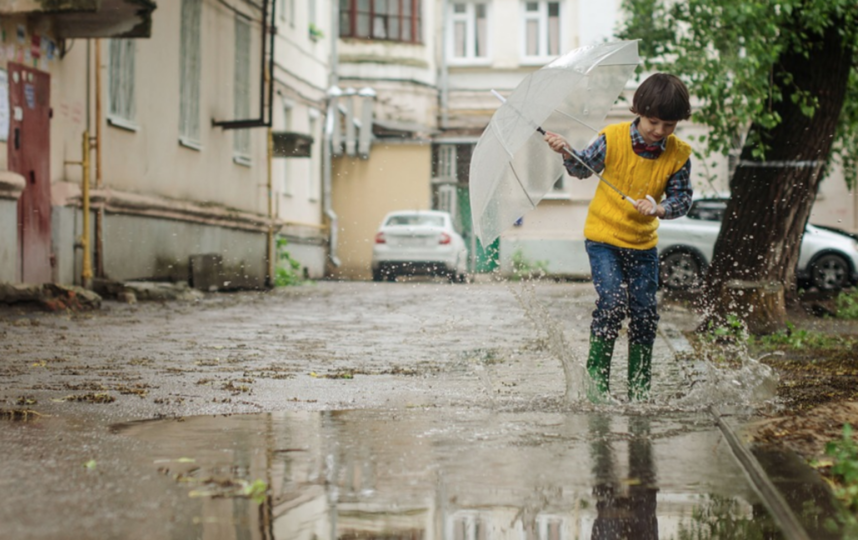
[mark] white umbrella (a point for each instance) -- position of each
(512, 167)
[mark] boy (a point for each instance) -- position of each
(640, 158)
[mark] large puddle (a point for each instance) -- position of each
(440, 474)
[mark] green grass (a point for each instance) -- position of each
(844, 478)
(800, 339)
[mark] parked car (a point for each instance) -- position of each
(828, 259)
(421, 242)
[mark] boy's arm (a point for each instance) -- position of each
(593, 155)
(678, 194)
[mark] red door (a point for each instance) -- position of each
(29, 156)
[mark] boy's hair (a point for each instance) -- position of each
(662, 96)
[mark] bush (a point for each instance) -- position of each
(288, 271)
(524, 269)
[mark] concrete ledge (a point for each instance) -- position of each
(11, 185)
(122, 202)
(50, 296)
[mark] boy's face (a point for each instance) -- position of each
(655, 129)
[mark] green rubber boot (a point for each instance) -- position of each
(599, 367)
(640, 371)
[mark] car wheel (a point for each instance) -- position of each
(680, 270)
(829, 272)
(456, 277)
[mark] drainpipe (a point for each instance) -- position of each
(86, 270)
(83, 243)
(327, 149)
(327, 146)
(99, 215)
(270, 250)
(445, 118)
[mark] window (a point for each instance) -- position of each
(122, 110)
(241, 105)
(311, 12)
(189, 76)
(314, 169)
(468, 39)
(541, 29)
(447, 162)
(393, 20)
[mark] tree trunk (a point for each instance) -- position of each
(771, 200)
(758, 304)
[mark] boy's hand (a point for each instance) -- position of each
(557, 143)
(649, 207)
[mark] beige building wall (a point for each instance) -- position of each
(301, 74)
(151, 158)
(395, 177)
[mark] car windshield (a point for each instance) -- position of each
(416, 219)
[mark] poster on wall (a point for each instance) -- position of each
(4, 106)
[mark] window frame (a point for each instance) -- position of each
(313, 124)
(241, 149)
(350, 13)
(190, 73)
(470, 20)
(542, 18)
(286, 177)
(121, 73)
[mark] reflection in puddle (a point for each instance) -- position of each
(452, 475)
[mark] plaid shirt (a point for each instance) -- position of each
(678, 191)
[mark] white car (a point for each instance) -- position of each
(419, 242)
(828, 259)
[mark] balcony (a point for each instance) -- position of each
(88, 18)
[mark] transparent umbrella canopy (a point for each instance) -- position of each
(512, 168)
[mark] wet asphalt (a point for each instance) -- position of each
(354, 410)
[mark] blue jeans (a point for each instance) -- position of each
(626, 281)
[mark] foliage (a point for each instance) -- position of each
(255, 491)
(844, 471)
(728, 52)
(800, 339)
(732, 329)
(522, 268)
(847, 305)
(288, 269)
(723, 342)
(315, 32)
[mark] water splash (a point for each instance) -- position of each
(682, 380)
(574, 369)
(745, 382)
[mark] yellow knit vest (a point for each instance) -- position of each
(613, 220)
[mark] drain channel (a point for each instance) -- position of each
(780, 511)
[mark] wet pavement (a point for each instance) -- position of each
(357, 411)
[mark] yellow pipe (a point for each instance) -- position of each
(99, 215)
(86, 272)
(271, 248)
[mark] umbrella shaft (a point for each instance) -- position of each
(568, 150)
(599, 176)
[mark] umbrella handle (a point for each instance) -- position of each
(654, 204)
